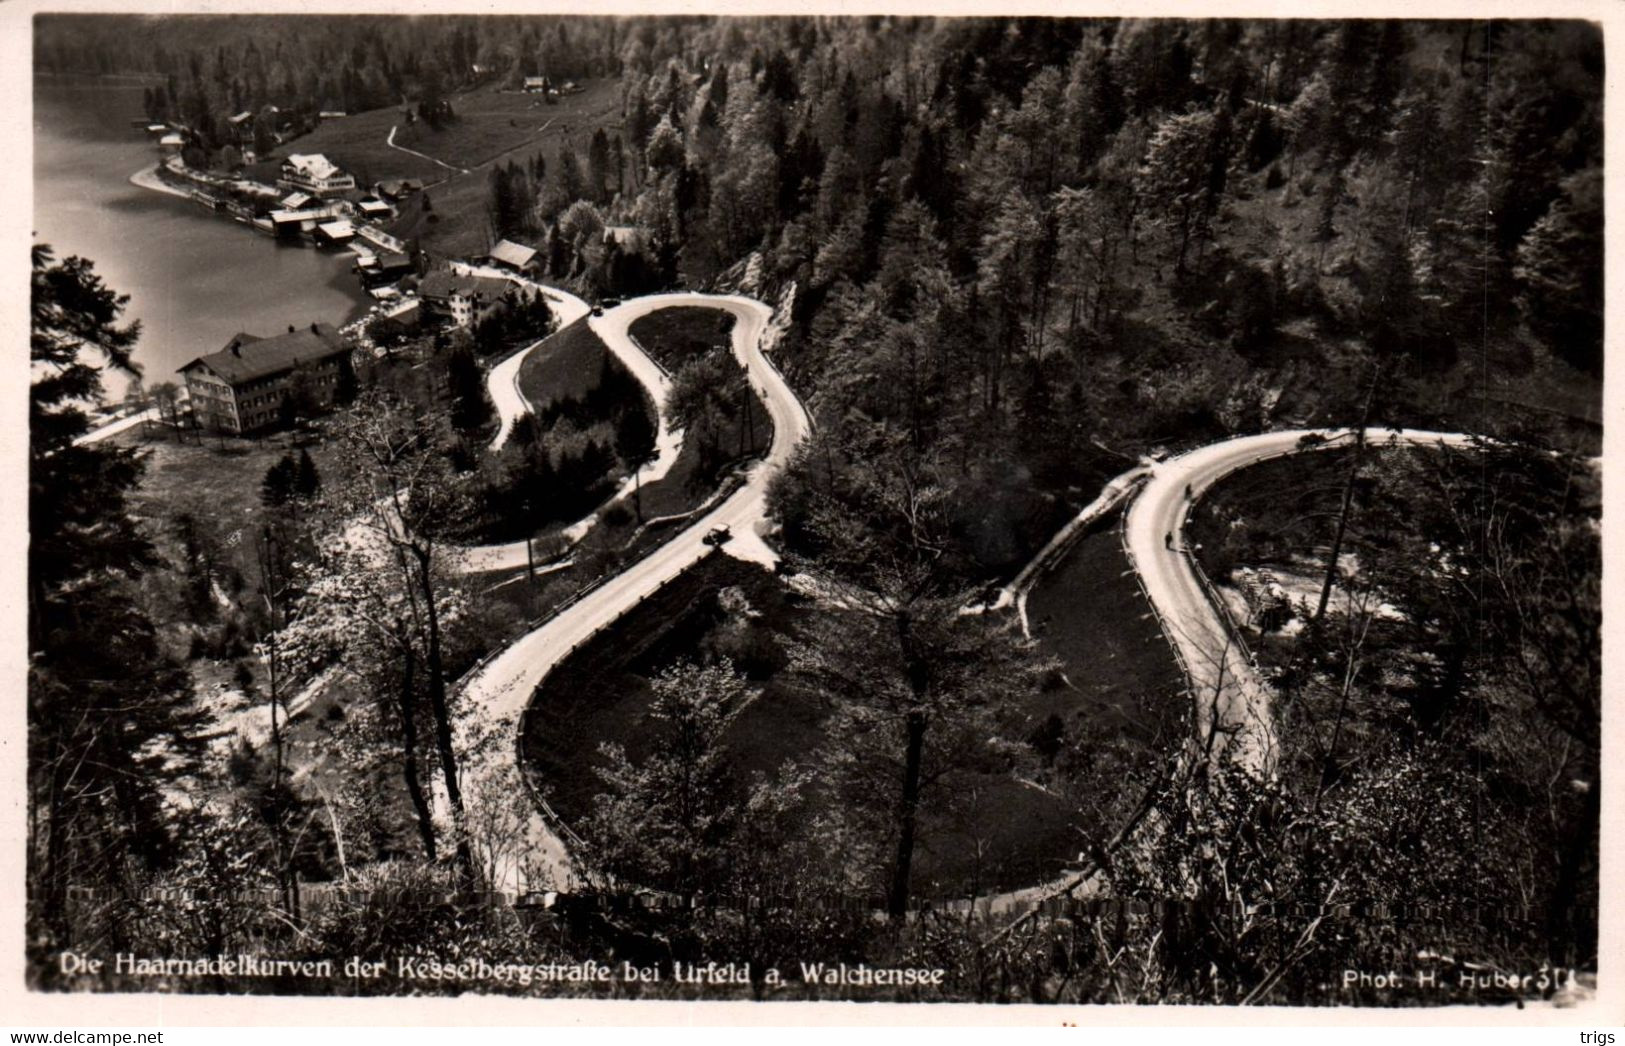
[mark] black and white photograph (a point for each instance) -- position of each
(832, 507)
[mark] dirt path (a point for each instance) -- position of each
(390, 141)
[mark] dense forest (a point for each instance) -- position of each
(1018, 255)
(1062, 240)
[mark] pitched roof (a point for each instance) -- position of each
(295, 200)
(444, 284)
(312, 165)
(341, 229)
(399, 186)
(247, 358)
(515, 254)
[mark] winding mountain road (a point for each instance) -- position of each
(1231, 696)
(493, 700)
(503, 381)
(1229, 693)
(1232, 701)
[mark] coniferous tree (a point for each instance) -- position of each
(307, 482)
(278, 487)
(110, 722)
(635, 446)
(471, 406)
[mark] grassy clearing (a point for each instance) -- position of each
(566, 365)
(492, 123)
(217, 481)
(360, 145)
(484, 136)
(491, 126)
(675, 336)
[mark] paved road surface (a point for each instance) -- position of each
(1215, 665)
(493, 700)
(503, 381)
(113, 428)
(613, 328)
(1226, 684)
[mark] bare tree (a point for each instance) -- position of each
(404, 496)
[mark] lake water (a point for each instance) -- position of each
(194, 278)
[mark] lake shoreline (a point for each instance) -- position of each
(147, 178)
(345, 282)
(100, 193)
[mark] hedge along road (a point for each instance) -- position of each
(525, 852)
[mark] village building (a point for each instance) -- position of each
(374, 209)
(515, 257)
(379, 267)
(379, 239)
(315, 174)
(465, 300)
(625, 237)
(241, 388)
(242, 127)
(295, 223)
(171, 144)
(335, 233)
(536, 85)
(397, 189)
(408, 313)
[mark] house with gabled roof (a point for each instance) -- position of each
(397, 189)
(465, 300)
(515, 257)
(241, 388)
(315, 174)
